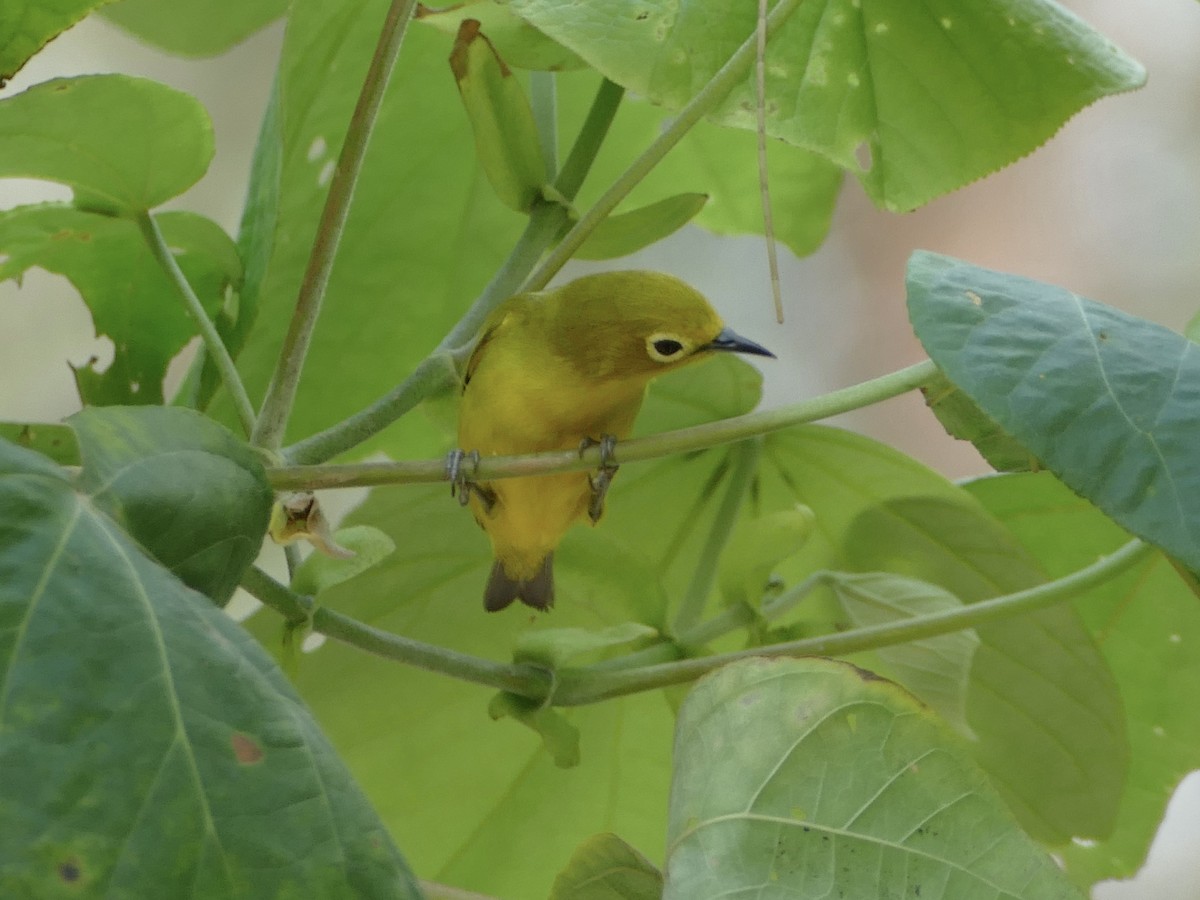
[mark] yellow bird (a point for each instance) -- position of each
(561, 370)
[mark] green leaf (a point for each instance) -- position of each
(914, 99)
(795, 775)
(28, 25)
(157, 744)
(554, 647)
(937, 670)
(191, 494)
(319, 572)
(720, 162)
(604, 867)
(131, 299)
(1107, 401)
(626, 233)
(55, 441)
(757, 547)
(519, 44)
(964, 420)
(423, 270)
(1147, 624)
(468, 778)
(123, 144)
(194, 27)
(506, 138)
(1041, 700)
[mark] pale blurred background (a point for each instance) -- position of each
(1110, 209)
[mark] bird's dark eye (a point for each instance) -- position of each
(667, 347)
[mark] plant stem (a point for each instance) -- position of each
(736, 68)
(281, 394)
(745, 457)
(208, 331)
(591, 137)
(581, 686)
(698, 437)
(545, 223)
(545, 115)
(526, 680)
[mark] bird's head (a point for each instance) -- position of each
(638, 324)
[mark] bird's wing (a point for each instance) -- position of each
(505, 316)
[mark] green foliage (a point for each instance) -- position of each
(194, 27)
(123, 145)
(159, 748)
(26, 26)
(148, 740)
(129, 296)
(193, 496)
(853, 81)
(760, 743)
(1105, 400)
(606, 868)
(1146, 623)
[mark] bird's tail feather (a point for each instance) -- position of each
(502, 589)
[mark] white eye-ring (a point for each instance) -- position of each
(665, 347)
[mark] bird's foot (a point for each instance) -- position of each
(602, 479)
(462, 483)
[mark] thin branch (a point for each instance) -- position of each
(281, 394)
(582, 686)
(545, 116)
(526, 680)
(745, 464)
(208, 331)
(698, 437)
(710, 95)
(760, 81)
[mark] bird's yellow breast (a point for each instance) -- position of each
(524, 397)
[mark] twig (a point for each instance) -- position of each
(684, 440)
(208, 331)
(281, 394)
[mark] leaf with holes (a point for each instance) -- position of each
(802, 778)
(915, 99)
(157, 744)
(131, 300)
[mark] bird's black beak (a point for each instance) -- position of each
(729, 339)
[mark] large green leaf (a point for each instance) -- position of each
(1105, 400)
(936, 669)
(131, 299)
(150, 747)
(194, 27)
(27, 25)
(424, 234)
(915, 99)
(122, 144)
(468, 779)
(809, 778)
(721, 162)
(1041, 700)
(195, 497)
(1147, 624)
